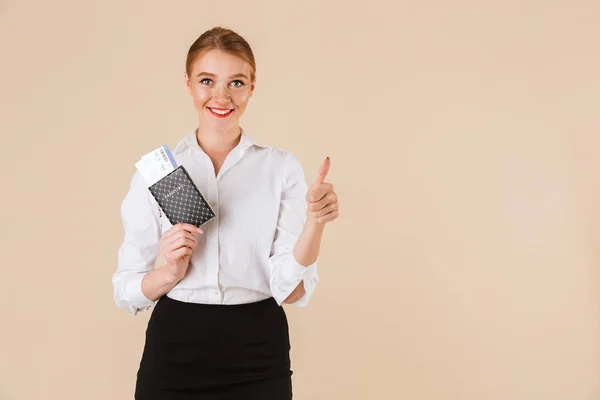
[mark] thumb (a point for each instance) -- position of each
(322, 174)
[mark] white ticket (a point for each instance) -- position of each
(156, 165)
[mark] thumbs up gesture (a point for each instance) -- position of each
(322, 200)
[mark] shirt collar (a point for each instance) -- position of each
(245, 141)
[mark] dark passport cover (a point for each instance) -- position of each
(180, 199)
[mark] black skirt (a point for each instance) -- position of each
(206, 351)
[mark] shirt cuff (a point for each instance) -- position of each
(294, 273)
(134, 294)
(311, 279)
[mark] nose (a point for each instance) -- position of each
(221, 94)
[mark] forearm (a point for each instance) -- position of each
(308, 245)
(158, 282)
(306, 252)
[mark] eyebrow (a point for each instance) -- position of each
(240, 75)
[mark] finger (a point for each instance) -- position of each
(176, 248)
(181, 233)
(182, 252)
(319, 192)
(178, 233)
(329, 198)
(182, 241)
(189, 227)
(329, 208)
(322, 174)
(329, 217)
(181, 227)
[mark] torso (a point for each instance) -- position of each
(217, 158)
(217, 161)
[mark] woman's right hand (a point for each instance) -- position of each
(177, 244)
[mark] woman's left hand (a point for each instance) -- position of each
(322, 200)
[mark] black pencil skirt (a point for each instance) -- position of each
(204, 351)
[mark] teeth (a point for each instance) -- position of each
(220, 112)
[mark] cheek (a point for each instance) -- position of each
(241, 99)
(200, 97)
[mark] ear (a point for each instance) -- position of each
(188, 84)
(252, 87)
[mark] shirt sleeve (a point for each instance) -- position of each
(140, 248)
(286, 272)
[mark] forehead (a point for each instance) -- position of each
(220, 63)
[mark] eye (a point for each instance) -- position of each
(240, 85)
(205, 79)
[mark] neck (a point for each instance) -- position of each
(218, 142)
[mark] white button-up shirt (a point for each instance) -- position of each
(246, 252)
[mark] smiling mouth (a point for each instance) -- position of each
(220, 113)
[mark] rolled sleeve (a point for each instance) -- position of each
(286, 272)
(140, 248)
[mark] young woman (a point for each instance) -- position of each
(218, 330)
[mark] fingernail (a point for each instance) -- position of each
(199, 230)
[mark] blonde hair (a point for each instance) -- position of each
(221, 39)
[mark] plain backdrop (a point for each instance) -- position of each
(464, 146)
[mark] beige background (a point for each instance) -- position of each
(464, 144)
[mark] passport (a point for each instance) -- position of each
(180, 199)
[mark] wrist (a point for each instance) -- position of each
(171, 277)
(312, 226)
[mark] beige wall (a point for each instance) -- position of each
(464, 146)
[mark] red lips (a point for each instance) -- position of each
(220, 109)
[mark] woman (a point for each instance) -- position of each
(218, 330)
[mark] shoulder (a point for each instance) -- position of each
(180, 146)
(138, 187)
(283, 161)
(285, 164)
(137, 182)
(285, 157)
(138, 202)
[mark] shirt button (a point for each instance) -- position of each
(212, 233)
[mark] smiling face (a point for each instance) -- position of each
(220, 87)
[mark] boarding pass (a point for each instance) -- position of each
(156, 165)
